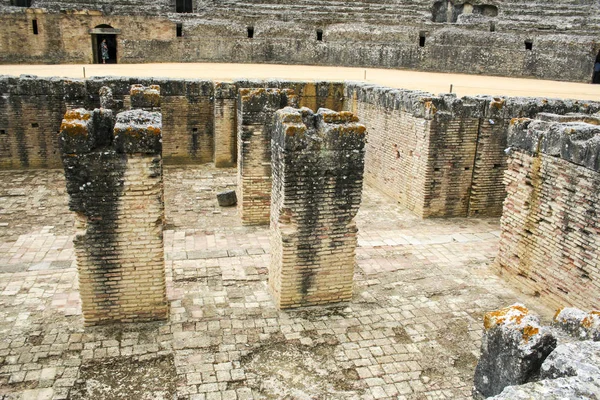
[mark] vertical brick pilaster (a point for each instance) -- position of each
(225, 124)
(256, 109)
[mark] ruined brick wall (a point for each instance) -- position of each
(318, 162)
(440, 156)
(199, 116)
(31, 112)
(256, 109)
(550, 240)
(114, 181)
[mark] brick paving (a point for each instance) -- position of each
(411, 331)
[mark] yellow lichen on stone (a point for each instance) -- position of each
(529, 331)
(74, 128)
(588, 321)
(294, 130)
(430, 108)
(498, 103)
(514, 313)
(516, 121)
(153, 130)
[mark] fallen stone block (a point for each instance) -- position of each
(514, 347)
(227, 198)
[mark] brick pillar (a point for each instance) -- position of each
(115, 188)
(318, 162)
(225, 124)
(256, 109)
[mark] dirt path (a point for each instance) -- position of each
(432, 82)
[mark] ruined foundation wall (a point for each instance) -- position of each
(256, 110)
(318, 162)
(441, 156)
(550, 236)
(115, 188)
(199, 117)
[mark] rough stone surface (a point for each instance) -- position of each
(513, 348)
(579, 324)
(227, 198)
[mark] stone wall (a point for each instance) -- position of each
(115, 188)
(256, 109)
(318, 162)
(526, 40)
(440, 156)
(199, 117)
(550, 236)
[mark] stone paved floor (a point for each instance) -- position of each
(412, 330)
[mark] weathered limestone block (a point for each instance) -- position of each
(513, 348)
(317, 165)
(83, 130)
(573, 359)
(145, 97)
(115, 188)
(579, 324)
(571, 371)
(138, 131)
(256, 109)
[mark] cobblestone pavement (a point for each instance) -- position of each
(412, 330)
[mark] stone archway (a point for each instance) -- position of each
(108, 33)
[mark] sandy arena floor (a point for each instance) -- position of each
(432, 82)
(412, 330)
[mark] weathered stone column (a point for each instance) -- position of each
(317, 162)
(225, 132)
(115, 187)
(256, 109)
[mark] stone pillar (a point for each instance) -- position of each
(256, 109)
(317, 162)
(115, 188)
(225, 124)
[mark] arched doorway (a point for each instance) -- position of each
(108, 33)
(596, 74)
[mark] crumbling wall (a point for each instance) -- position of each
(550, 239)
(256, 109)
(318, 162)
(199, 116)
(114, 181)
(441, 156)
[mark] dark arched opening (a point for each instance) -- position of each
(99, 34)
(596, 75)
